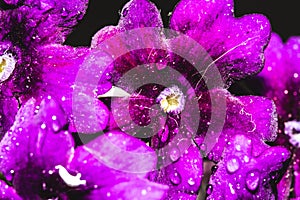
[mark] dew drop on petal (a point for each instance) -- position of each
(174, 154)
(233, 164)
(214, 169)
(144, 192)
(191, 181)
(252, 180)
(175, 178)
(55, 127)
(203, 147)
(209, 189)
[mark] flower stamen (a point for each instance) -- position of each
(171, 100)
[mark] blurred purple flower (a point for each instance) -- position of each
(282, 83)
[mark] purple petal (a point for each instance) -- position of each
(123, 152)
(297, 178)
(242, 175)
(263, 114)
(184, 174)
(7, 192)
(235, 44)
(139, 14)
(281, 75)
(285, 184)
(8, 111)
(104, 34)
(180, 195)
(36, 136)
(43, 22)
(62, 65)
(253, 115)
(87, 164)
(135, 189)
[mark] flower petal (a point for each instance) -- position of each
(8, 111)
(242, 175)
(43, 22)
(253, 115)
(123, 152)
(297, 177)
(184, 174)
(139, 14)
(263, 114)
(7, 192)
(281, 75)
(235, 44)
(132, 190)
(36, 140)
(62, 66)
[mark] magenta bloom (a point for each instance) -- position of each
(236, 46)
(39, 159)
(243, 175)
(33, 61)
(282, 83)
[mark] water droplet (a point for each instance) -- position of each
(252, 180)
(174, 154)
(214, 169)
(203, 147)
(164, 134)
(246, 159)
(6, 147)
(144, 192)
(191, 181)
(44, 185)
(238, 147)
(175, 178)
(9, 176)
(55, 126)
(233, 164)
(238, 186)
(209, 189)
(108, 76)
(43, 126)
(64, 13)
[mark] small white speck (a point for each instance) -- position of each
(144, 192)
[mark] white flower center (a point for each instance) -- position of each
(171, 100)
(292, 128)
(70, 180)
(7, 66)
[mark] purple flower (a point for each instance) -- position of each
(243, 175)
(281, 83)
(33, 61)
(281, 76)
(7, 192)
(39, 159)
(236, 46)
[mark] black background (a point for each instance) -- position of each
(284, 16)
